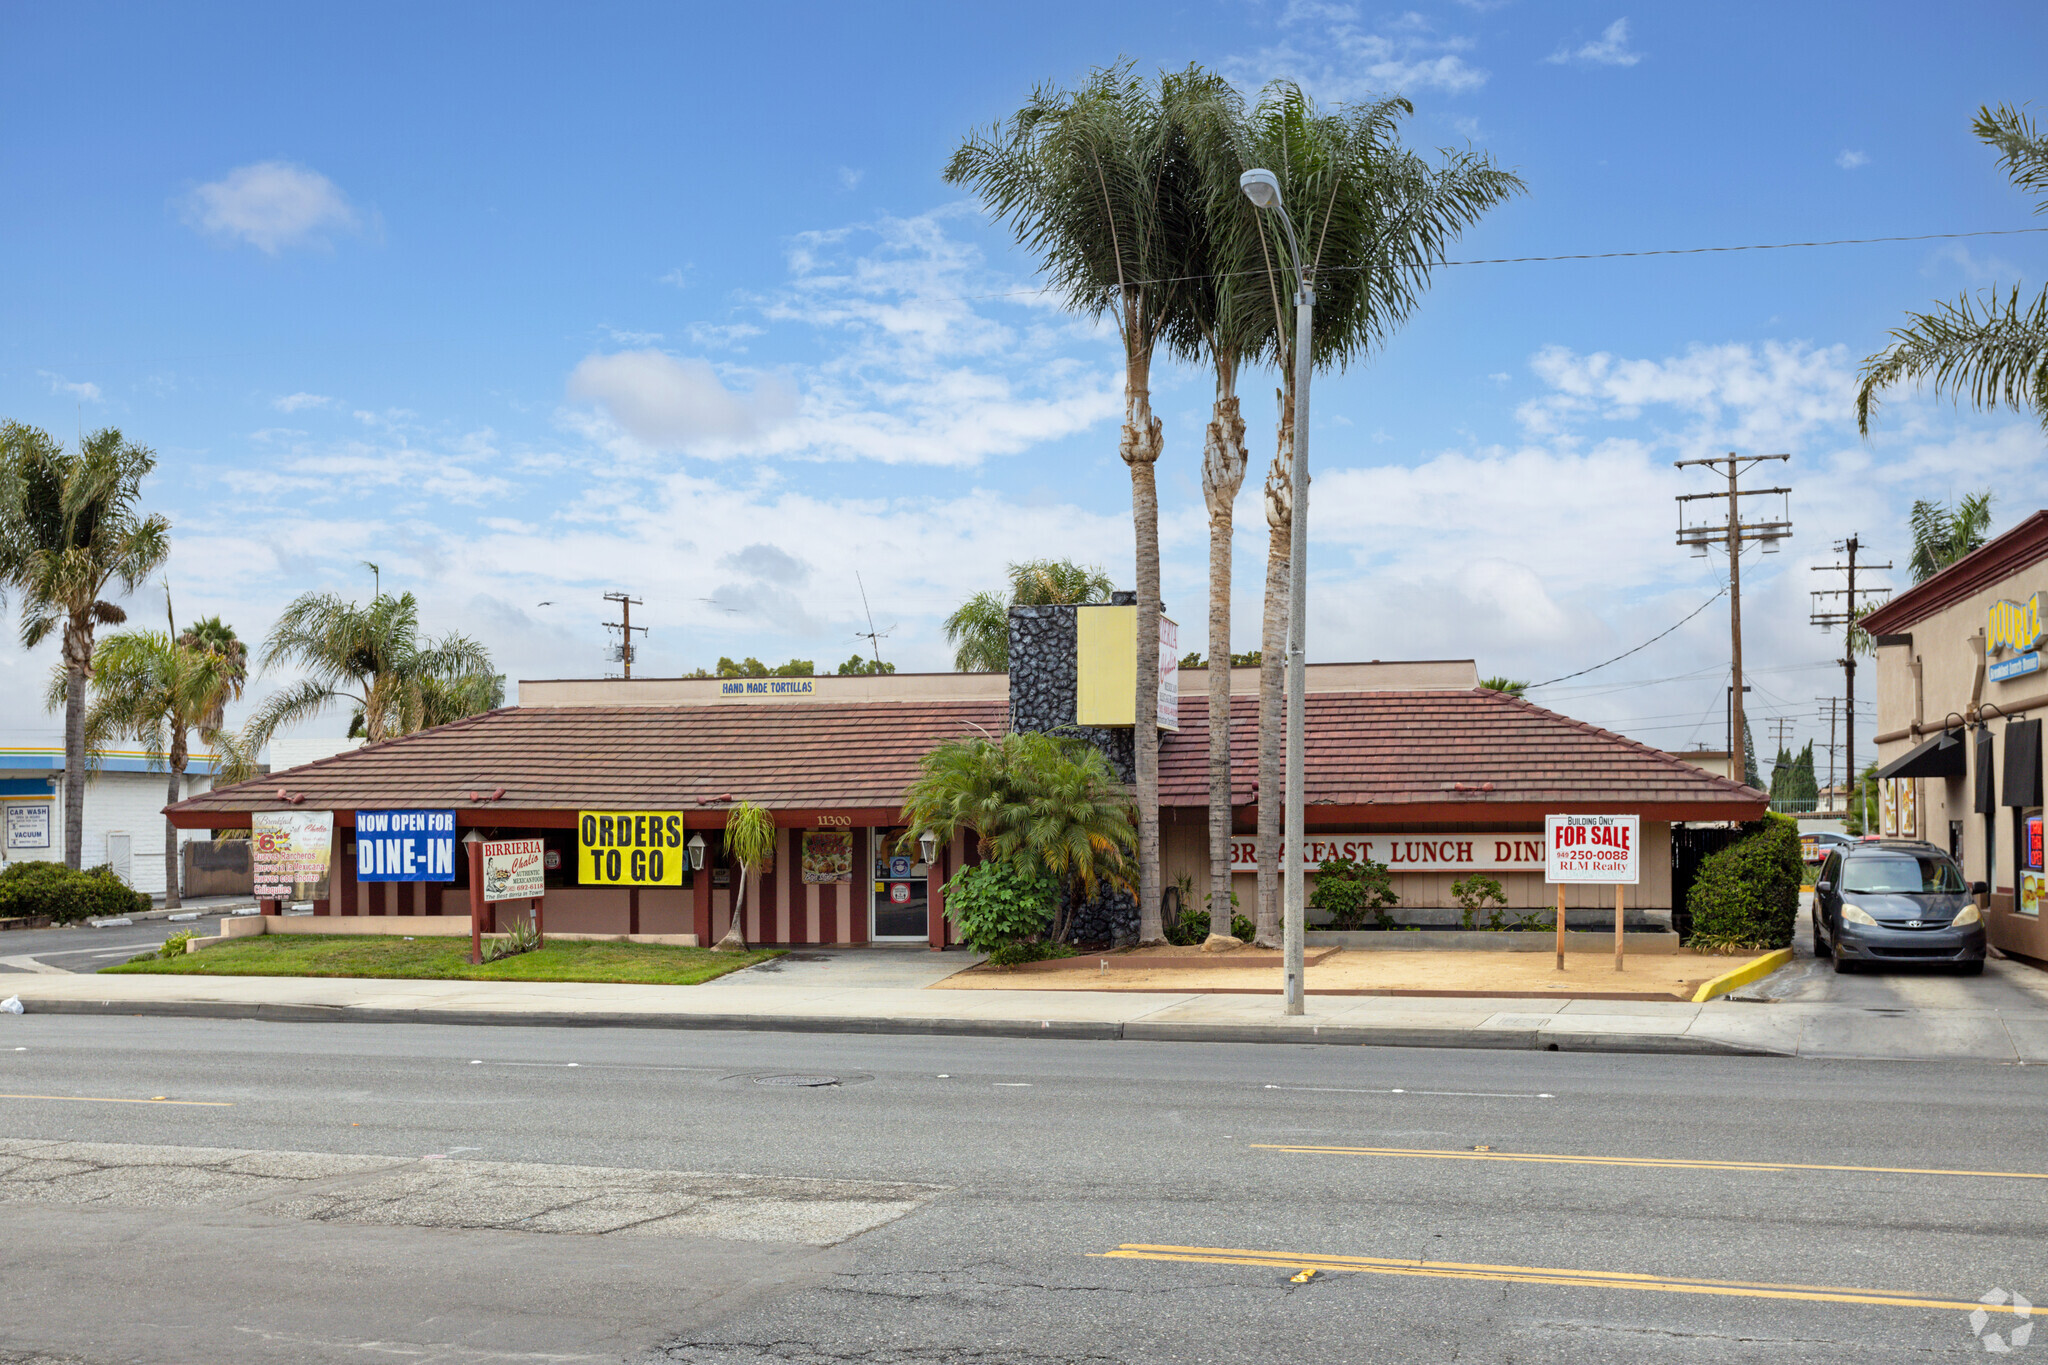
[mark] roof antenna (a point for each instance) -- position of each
(873, 637)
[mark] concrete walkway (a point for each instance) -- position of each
(880, 991)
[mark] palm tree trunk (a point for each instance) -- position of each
(178, 757)
(1223, 465)
(1272, 677)
(735, 938)
(77, 663)
(1140, 447)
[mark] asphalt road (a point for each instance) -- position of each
(1093, 1202)
(80, 948)
(2006, 984)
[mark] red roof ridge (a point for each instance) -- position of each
(2002, 556)
(1659, 755)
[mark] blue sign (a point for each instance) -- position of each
(2018, 666)
(405, 845)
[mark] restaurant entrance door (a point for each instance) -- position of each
(896, 905)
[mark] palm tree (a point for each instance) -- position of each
(750, 842)
(1100, 184)
(1050, 804)
(1943, 534)
(979, 630)
(156, 687)
(1995, 353)
(1500, 683)
(372, 657)
(70, 526)
(1373, 219)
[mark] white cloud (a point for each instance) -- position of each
(271, 205)
(1609, 49)
(294, 402)
(679, 405)
(850, 177)
(80, 389)
(1850, 160)
(679, 277)
(1332, 53)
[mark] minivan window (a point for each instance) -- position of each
(1900, 873)
(1832, 872)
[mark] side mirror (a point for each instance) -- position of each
(1823, 888)
(1980, 888)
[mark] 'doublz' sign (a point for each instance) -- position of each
(1592, 848)
(405, 845)
(630, 848)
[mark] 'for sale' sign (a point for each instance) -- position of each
(1593, 848)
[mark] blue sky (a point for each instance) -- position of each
(529, 303)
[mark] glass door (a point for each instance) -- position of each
(896, 905)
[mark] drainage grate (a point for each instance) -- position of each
(802, 1081)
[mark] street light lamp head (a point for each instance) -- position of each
(1262, 187)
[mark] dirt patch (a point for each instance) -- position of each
(1652, 976)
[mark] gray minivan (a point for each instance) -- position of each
(1897, 900)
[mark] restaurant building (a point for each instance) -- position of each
(1411, 763)
(1959, 683)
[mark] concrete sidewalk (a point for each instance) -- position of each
(807, 1001)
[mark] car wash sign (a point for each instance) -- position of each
(1593, 848)
(405, 845)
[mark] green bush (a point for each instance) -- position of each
(37, 888)
(1747, 895)
(1476, 893)
(177, 945)
(996, 905)
(1351, 891)
(1192, 928)
(1037, 950)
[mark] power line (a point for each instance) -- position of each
(1574, 256)
(1637, 650)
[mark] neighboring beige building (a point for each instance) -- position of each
(1713, 761)
(1959, 670)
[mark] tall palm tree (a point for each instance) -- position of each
(156, 687)
(373, 658)
(1994, 353)
(1101, 185)
(979, 630)
(1943, 534)
(71, 526)
(1373, 219)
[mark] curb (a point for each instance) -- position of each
(1743, 975)
(1511, 1040)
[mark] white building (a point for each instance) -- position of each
(124, 802)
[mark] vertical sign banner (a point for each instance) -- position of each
(630, 848)
(405, 845)
(289, 852)
(1592, 848)
(513, 869)
(1169, 674)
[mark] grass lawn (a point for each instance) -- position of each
(447, 959)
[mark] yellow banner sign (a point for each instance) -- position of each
(630, 848)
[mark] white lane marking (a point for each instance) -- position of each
(27, 963)
(1458, 1094)
(1025, 1084)
(116, 952)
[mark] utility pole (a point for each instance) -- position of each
(1735, 532)
(624, 625)
(1846, 618)
(1832, 713)
(1737, 768)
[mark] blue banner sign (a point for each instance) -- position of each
(405, 845)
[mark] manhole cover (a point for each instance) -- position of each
(806, 1081)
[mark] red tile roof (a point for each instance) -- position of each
(1413, 755)
(1470, 749)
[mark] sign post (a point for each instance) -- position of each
(1592, 848)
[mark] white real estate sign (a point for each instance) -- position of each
(1593, 848)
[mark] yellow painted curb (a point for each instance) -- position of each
(1743, 975)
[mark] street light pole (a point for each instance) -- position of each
(1263, 189)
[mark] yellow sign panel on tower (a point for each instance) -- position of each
(630, 848)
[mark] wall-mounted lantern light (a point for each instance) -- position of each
(696, 848)
(928, 844)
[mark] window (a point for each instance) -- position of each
(1901, 874)
(1832, 872)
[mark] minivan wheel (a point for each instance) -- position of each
(1821, 948)
(1970, 968)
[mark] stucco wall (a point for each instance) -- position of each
(119, 803)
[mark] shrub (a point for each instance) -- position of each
(1476, 893)
(38, 888)
(997, 905)
(177, 945)
(1037, 950)
(1350, 891)
(1747, 895)
(521, 936)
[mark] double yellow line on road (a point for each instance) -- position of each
(1544, 1275)
(1648, 1162)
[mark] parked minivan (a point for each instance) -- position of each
(1897, 900)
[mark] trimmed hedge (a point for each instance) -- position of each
(1747, 895)
(37, 888)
